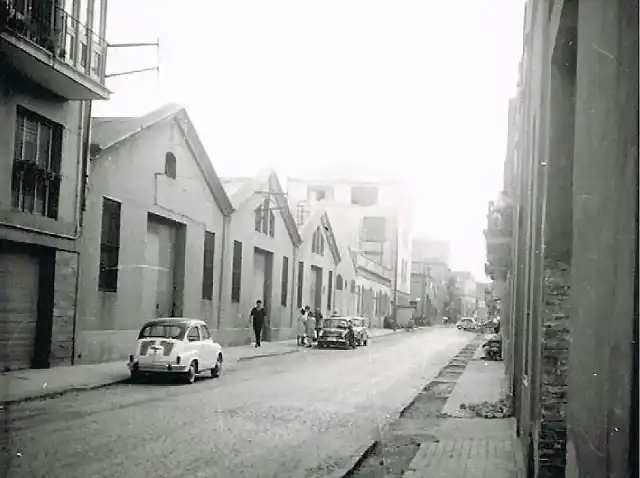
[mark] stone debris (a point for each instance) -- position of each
(500, 409)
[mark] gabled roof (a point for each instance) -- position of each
(320, 215)
(244, 189)
(109, 132)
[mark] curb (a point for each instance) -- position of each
(363, 452)
(370, 449)
(54, 394)
(253, 357)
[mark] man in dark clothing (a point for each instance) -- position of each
(257, 319)
(318, 316)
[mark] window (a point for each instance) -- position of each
(204, 332)
(265, 219)
(339, 283)
(300, 283)
(353, 286)
(285, 281)
(320, 193)
(109, 246)
(258, 218)
(272, 224)
(364, 195)
(330, 291)
(373, 229)
(37, 158)
(317, 242)
(170, 165)
(236, 274)
(207, 267)
(193, 335)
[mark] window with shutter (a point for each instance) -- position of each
(37, 157)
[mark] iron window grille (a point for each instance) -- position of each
(37, 160)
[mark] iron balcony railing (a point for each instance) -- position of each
(49, 26)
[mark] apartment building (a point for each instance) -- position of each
(373, 218)
(52, 61)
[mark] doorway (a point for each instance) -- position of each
(262, 272)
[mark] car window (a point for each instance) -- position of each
(204, 332)
(163, 331)
(194, 334)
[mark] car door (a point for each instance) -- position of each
(194, 344)
(208, 348)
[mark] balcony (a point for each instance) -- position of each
(52, 48)
(373, 267)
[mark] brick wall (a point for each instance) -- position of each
(64, 305)
(554, 370)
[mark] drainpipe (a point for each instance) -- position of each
(85, 115)
(225, 226)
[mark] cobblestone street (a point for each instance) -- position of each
(309, 414)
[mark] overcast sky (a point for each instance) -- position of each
(410, 89)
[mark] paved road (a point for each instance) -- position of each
(300, 415)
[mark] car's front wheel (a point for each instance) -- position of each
(190, 376)
(217, 369)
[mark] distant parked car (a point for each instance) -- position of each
(361, 330)
(467, 323)
(335, 333)
(176, 346)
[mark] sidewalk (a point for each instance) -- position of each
(29, 384)
(463, 445)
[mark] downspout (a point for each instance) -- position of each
(225, 226)
(85, 127)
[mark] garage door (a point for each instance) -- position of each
(19, 275)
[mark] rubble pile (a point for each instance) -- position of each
(500, 409)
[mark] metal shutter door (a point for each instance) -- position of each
(19, 277)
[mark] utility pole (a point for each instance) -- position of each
(395, 275)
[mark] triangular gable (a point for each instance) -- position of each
(309, 227)
(255, 184)
(109, 132)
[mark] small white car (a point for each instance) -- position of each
(176, 345)
(467, 323)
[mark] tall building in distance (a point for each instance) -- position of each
(52, 65)
(429, 275)
(373, 218)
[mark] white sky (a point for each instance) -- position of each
(416, 89)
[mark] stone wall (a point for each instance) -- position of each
(554, 371)
(64, 307)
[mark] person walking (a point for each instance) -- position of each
(318, 316)
(257, 320)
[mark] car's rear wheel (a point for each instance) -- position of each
(190, 376)
(217, 369)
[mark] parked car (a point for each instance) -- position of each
(176, 346)
(361, 330)
(335, 333)
(467, 323)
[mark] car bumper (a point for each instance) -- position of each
(136, 366)
(333, 342)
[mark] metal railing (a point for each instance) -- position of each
(49, 26)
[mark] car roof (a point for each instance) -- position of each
(175, 321)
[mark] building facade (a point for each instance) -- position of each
(260, 260)
(52, 62)
(156, 216)
(373, 219)
(566, 247)
(318, 259)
